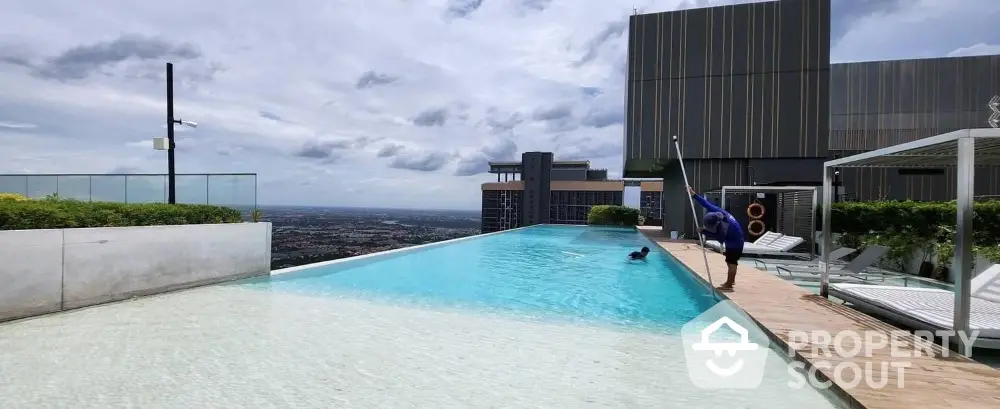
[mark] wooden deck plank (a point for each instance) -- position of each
(780, 307)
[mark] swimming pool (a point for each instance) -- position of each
(547, 316)
(546, 272)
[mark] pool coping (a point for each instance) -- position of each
(970, 378)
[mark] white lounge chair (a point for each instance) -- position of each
(856, 268)
(836, 256)
(783, 244)
(931, 308)
(765, 239)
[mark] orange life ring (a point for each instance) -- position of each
(750, 227)
(755, 206)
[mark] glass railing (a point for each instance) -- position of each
(225, 189)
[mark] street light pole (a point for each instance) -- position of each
(171, 173)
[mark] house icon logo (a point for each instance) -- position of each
(730, 347)
(724, 349)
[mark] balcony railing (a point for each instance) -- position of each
(225, 189)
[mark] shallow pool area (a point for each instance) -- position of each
(447, 326)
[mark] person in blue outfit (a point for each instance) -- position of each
(721, 226)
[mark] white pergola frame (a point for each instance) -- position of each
(781, 189)
(963, 150)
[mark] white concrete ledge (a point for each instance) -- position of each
(51, 270)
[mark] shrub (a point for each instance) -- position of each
(54, 213)
(14, 197)
(613, 215)
(905, 226)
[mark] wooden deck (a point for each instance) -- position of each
(780, 307)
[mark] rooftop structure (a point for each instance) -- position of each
(540, 190)
(723, 95)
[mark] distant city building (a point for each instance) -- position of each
(540, 190)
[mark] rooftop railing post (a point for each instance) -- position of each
(824, 285)
(962, 263)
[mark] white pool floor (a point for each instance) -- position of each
(234, 347)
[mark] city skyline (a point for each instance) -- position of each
(344, 106)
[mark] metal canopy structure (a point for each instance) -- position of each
(963, 150)
(811, 240)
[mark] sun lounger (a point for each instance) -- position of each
(931, 308)
(764, 239)
(835, 256)
(856, 267)
(783, 244)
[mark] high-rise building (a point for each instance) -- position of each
(750, 92)
(540, 190)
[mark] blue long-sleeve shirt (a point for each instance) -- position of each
(734, 235)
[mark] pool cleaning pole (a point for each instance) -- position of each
(694, 212)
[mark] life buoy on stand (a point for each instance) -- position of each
(756, 226)
(750, 211)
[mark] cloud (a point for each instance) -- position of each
(420, 161)
(478, 162)
(83, 60)
(329, 150)
(389, 150)
(371, 78)
(463, 8)
(431, 117)
(592, 48)
(590, 149)
(273, 117)
(322, 100)
(502, 122)
(976, 49)
(557, 117)
(17, 125)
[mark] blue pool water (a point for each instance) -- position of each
(568, 272)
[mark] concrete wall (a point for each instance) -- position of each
(51, 270)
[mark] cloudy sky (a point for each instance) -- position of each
(384, 103)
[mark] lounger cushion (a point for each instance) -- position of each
(986, 285)
(786, 243)
(930, 305)
(761, 242)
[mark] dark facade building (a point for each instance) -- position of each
(883, 103)
(751, 94)
(540, 190)
(743, 87)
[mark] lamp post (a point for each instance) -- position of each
(171, 172)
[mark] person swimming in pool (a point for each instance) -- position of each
(639, 255)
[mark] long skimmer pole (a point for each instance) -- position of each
(694, 213)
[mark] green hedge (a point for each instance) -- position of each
(905, 226)
(613, 215)
(60, 214)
